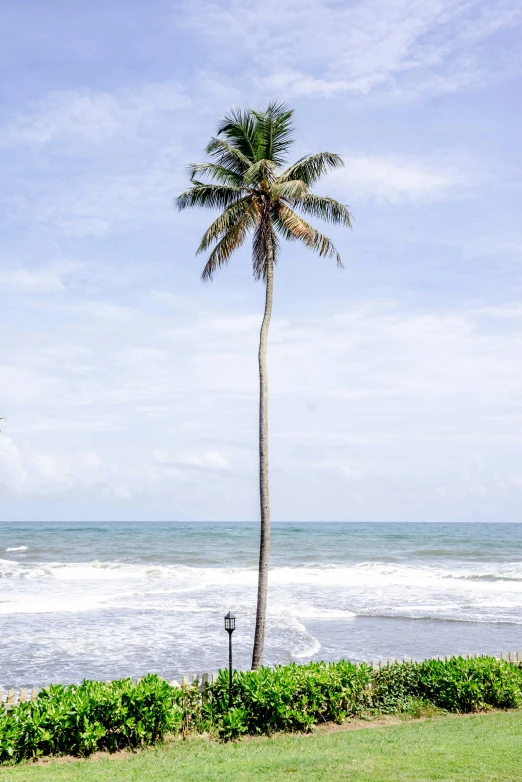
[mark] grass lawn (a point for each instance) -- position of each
(478, 748)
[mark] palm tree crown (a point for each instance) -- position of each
(245, 178)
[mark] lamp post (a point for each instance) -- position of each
(230, 626)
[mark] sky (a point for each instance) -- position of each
(129, 388)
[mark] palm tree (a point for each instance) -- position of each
(245, 179)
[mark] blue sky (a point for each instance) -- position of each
(130, 388)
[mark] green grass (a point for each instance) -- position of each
(478, 748)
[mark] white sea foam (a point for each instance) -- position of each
(308, 650)
(305, 612)
(375, 589)
(17, 548)
(380, 582)
(47, 604)
(372, 574)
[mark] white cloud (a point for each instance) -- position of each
(13, 476)
(101, 311)
(505, 312)
(92, 117)
(51, 473)
(209, 461)
(42, 280)
(31, 472)
(393, 180)
(101, 201)
(127, 153)
(325, 48)
(350, 472)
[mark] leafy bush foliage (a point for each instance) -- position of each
(458, 685)
(81, 719)
(291, 697)
(471, 685)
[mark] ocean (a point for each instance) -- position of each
(106, 600)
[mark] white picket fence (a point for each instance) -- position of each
(14, 695)
(511, 657)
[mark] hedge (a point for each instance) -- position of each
(81, 719)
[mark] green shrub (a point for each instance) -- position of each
(458, 685)
(292, 697)
(81, 719)
(395, 688)
(470, 685)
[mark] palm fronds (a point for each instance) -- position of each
(241, 131)
(230, 241)
(293, 227)
(263, 170)
(224, 223)
(228, 155)
(213, 171)
(209, 195)
(311, 168)
(328, 209)
(275, 132)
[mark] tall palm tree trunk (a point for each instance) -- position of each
(264, 496)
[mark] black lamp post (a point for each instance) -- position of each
(230, 626)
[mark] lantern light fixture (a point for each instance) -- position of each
(230, 626)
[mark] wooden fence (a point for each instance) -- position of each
(13, 696)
